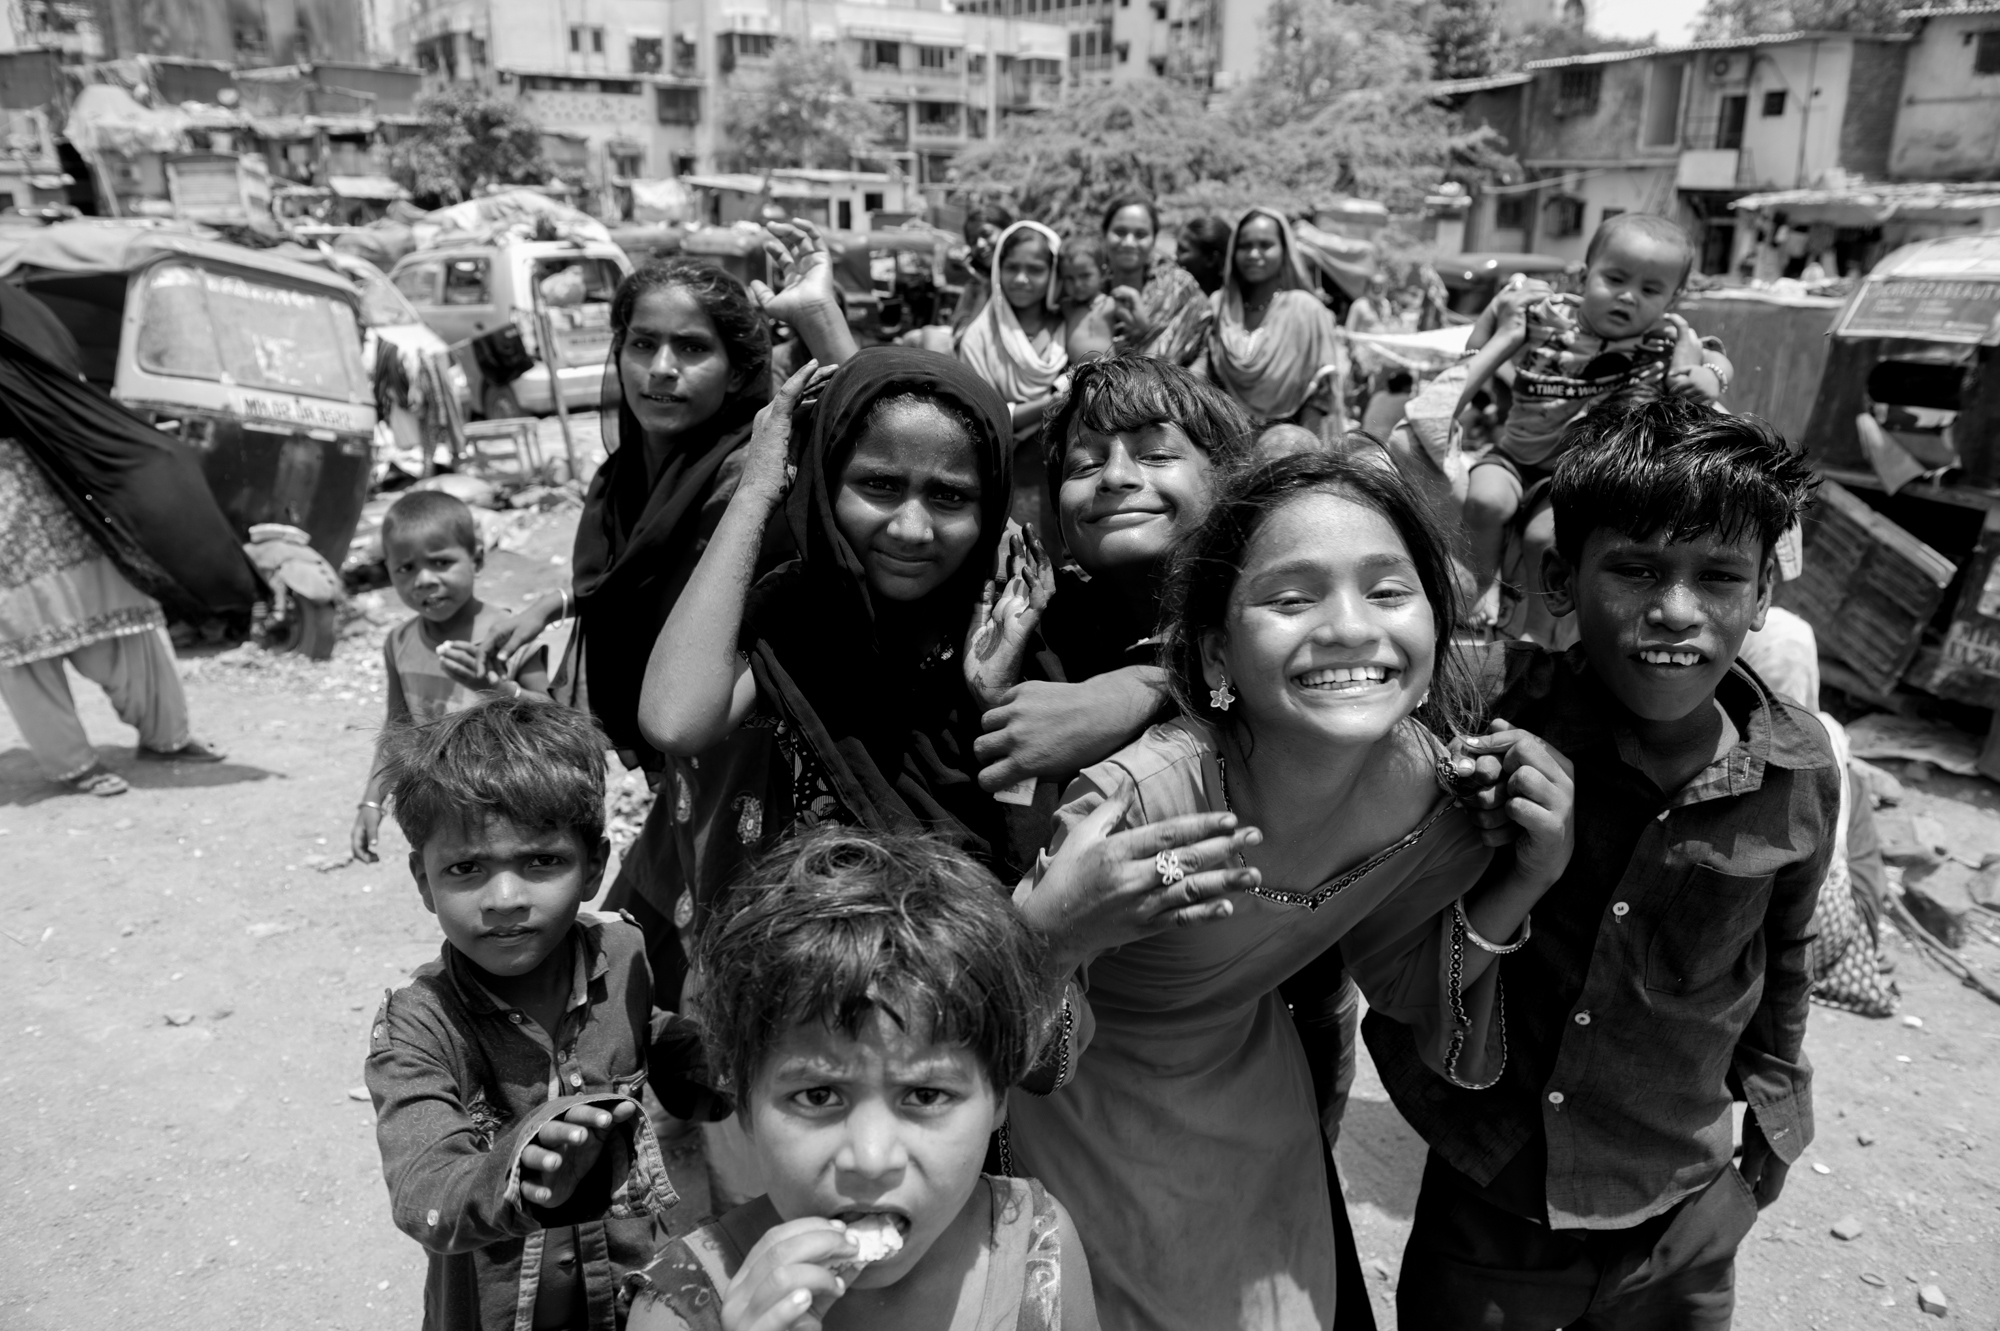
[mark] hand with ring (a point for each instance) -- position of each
(1105, 887)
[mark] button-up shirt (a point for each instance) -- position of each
(462, 1083)
(1666, 972)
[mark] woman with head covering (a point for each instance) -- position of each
(1017, 344)
(849, 655)
(1203, 249)
(1162, 310)
(1274, 347)
(690, 365)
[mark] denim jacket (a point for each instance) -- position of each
(1666, 971)
(462, 1083)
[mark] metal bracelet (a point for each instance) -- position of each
(1498, 950)
(369, 804)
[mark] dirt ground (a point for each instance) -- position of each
(190, 999)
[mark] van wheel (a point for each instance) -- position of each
(498, 403)
(309, 628)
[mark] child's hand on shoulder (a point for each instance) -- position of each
(786, 1282)
(565, 1149)
(467, 664)
(1521, 792)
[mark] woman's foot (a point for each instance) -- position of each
(194, 751)
(98, 781)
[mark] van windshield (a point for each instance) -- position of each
(198, 324)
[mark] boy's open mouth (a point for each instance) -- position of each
(1662, 657)
(1344, 679)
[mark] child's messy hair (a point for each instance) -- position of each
(1207, 561)
(1132, 392)
(1676, 467)
(532, 762)
(1650, 225)
(839, 922)
(429, 511)
(1092, 248)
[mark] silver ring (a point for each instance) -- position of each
(1167, 864)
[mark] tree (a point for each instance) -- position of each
(802, 111)
(1559, 41)
(1465, 39)
(467, 138)
(1754, 18)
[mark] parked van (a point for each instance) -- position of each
(466, 291)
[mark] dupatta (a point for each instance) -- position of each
(996, 346)
(880, 735)
(1270, 370)
(1177, 310)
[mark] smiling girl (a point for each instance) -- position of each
(850, 654)
(1017, 345)
(1294, 806)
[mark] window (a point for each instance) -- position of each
(1576, 90)
(600, 277)
(1510, 212)
(975, 122)
(465, 282)
(754, 45)
(679, 106)
(871, 202)
(584, 37)
(1774, 103)
(198, 324)
(649, 55)
(845, 212)
(684, 56)
(881, 55)
(1565, 214)
(935, 57)
(628, 164)
(1608, 214)
(1729, 125)
(975, 65)
(420, 284)
(562, 83)
(1663, 103)
(1986, 52)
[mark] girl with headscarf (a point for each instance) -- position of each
(1273, 346)
(1162, 310)
(849, 655)
(1017, 343)
(689, 367)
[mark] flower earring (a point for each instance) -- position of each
(1220, 696)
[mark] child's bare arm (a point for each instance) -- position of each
(362, 839)
(697, 688)
(1079, 1299)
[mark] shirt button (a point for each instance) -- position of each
(1620, 909)
(1583, 1019)
(514, 1017)
(1555, 1097)
(576, 1079)
(432, 1218)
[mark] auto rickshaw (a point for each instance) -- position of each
(254, 360)
(893, 281)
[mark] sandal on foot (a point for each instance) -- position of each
(194, 751)
(98, 781)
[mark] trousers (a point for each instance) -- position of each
(136, 671)
(1470, 1264)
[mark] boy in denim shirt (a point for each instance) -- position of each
(505, 1073)
(1666, 972)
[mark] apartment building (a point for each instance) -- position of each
(633, 88)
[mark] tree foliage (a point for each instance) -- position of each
(1753, 18)
(1465, 39)
(467, 138)
(1338, 107)
(1559, 41)
(800, 111)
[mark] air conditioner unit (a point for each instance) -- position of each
(1729, 67)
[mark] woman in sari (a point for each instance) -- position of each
(1273, 346)
(1161, 308)
(689, 367)
(1309, 645)
(1020, 346)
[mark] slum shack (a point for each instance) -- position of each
(1902, 580)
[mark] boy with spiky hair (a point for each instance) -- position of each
(1666, 976)
(505, 1074)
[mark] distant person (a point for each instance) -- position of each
(1568, 352)
(1202, 248)
(63, 599)
(1017, 345)
(434, 661)
(1162, 309)
(1667, 977)
(869, 998)
(1274, 346)
(506, 1073)
(1086, 301)
(983, 225)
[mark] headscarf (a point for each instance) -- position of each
(1270, 370)
(637, 545)
(892, 735)
(999, 349)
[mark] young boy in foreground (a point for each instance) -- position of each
(432, 547)
(504, 1073)
(869, 998)
(1666, 974)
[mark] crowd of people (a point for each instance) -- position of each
(1055, 740)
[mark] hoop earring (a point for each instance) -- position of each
(1220, 696)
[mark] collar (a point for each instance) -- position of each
(1770, 732)
(589, 964)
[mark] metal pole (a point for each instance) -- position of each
(545, 327)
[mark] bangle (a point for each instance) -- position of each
(369, 804)
(564, 592)
(1496, 949)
